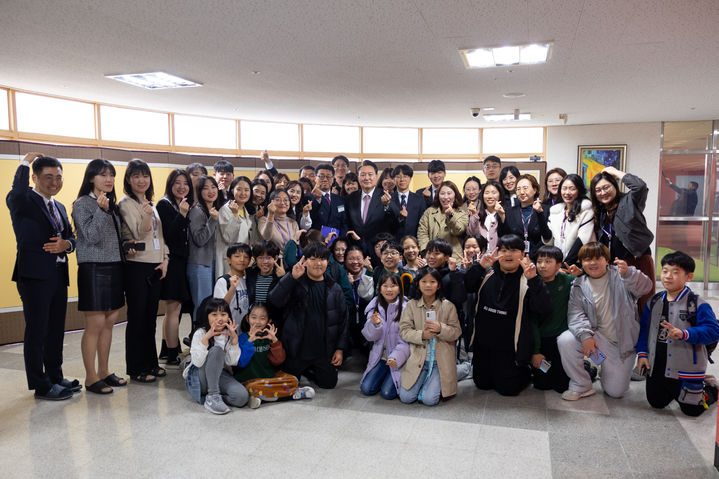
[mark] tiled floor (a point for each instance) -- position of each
(156, 431)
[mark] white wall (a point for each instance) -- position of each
(642, 140)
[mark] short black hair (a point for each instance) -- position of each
(404, 169)
(440, 245)
(239, 248)
(696, 185)
(481, 241)
(325, 166)
(306, 167)
(493, 159)
(680, 259)
(392, 244)
(421, 273)
(383, 236)
(369, 163)
(278, 192)
(436, 165)
(316, 250)
(548, 251)
(223, 166)
(194, 166)
(511, 241)
(137, 166)
(45, 162)
(265, 248)
(340, 158)
(354, 247)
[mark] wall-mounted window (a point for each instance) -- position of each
(205, 132)
(264, 135)
(449, 141)
(331, 139)
(391, 140)
(513, 140)
(4, 116)
(53, 116)
(135, 126)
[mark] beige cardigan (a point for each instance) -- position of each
(131, 212)
(410, 329)
(232, 229)
(434, 224)
(269, 230)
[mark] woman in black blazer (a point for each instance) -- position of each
(527, 218)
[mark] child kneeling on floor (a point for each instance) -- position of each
(430, 325)
(389, 351)
(262, 354)
(676, 327)
(214, 346)
(603, 323)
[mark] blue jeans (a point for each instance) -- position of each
(431, 393)
(201, 279)
(379, 379)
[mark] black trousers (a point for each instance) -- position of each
(493, 369)
(662, 390)
(556, 378)
(142, 301)
(44, 305)
(319, 371)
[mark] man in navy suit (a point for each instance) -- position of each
(369, 209)
(328, 209)
(410, 205)
(44, 239)
(436, 171)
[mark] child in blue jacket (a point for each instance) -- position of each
(676, 326)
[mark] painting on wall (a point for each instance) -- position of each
(592, 159)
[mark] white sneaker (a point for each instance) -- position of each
(216, 405)
(254, 402)
(570, 395)
(304, 393)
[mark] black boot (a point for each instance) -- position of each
(163, 350)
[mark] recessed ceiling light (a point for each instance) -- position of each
(514, 94)
(487, 108)
(507, 117)
(507, 55)
(154, 80)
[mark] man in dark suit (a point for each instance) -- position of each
(369, 209)
(44, 238)
(436, 171)
(328, 209)
(224, 174)
(410, 205)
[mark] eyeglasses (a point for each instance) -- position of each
(603, 189)
(491, 167)
(281, 200)
(325, 177)
(524, 188)
(391, 254)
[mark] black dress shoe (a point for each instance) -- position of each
(73, 385)
(56, 393)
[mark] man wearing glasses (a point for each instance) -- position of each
(328, 209)
(492, 167)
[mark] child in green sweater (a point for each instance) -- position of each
(262, 354)
(547, 371)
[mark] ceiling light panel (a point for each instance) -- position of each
(531, 54)
(155, 80)
(507, 117)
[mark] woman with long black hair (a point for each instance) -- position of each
(571, 220)
(99, 274)
(173, 209)
(144, 271)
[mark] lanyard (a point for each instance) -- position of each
(604, 217)
(287, 222)
(526, 221)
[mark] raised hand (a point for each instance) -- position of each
(427, 193)
(234, 207)
(234, 281)
(307, 208)
(488, 259)
(466, 260)
(271, 209)
(147, 208)
(472, 209)
(672, 331)
(499, 209)
(184, 207)
(353, 235)
(221, 185)
(266, 157)
(529, 268)
(297, 235)
(299, 269)
(214, 214)
(367, 263)
(279, 268)
(386, 198)
(622, 266)
(317, 192)
(260, 212)
(271, 332)
(32, 156)
(421, 262)
(103, 201)
(537, 206)
(232, 331)
(330, 237)
(574, 270)
(449, 211)
(376, 318)
(403, 212)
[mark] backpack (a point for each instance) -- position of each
(692, 317)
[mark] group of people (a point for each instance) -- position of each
(506, 281)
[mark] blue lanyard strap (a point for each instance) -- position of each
(425, 381)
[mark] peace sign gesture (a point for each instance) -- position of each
(279, 268)
(299, 269)
(489, 258)
(574, 270)
(529, 268)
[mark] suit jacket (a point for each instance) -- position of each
(416, 205)
(428, 200)
(33, 228)
(379, 219)
(332, 215)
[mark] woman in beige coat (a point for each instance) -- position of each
(430, 325)
(236, 224)
(444, 220)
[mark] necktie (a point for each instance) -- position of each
(365, 208)
(403, 203)
(55, 220)
(327, 198)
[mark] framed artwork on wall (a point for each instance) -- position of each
(592, 159)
